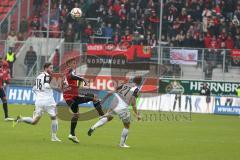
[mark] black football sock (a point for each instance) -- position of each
(5, 109)
(98, 107)
(73, 125)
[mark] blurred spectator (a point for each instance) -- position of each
(229, 42)
(88, 31)
(20, 37)
(116, 38)
(37, 6)
(127, 37)
(23, 25)
(108, 31)
(136, 38)
(195, 20)
(30, 59)
(69, 37)
(228, 8)
(35, 23)
(12, 39)
(205, 90)
(56, 60)
(207, 40)
(10, 58)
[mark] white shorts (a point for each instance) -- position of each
(119, 107)
(45, 106)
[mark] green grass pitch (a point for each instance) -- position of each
(205, 137)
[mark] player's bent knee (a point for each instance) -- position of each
(74, 119)
(95, 98)
(76, 115)
(54, 118)
(4, 100)
(35, 122)
(126, 125)
(109, 118)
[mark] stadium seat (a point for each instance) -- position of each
(7, 3)
(11, 3)
(7, 9)
(1, 10)
(4, 3)
(2, 16)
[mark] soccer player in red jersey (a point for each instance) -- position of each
(73, 98)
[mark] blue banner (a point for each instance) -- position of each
(20, 95)
(227, 110)
(24, 95)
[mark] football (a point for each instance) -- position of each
(76, 13)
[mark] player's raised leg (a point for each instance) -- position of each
(98, 106)
(28, 120)
(37, 114)
(100, 123)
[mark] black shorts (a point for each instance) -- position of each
(2, 93)
(83, 98)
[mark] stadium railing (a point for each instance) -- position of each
(12, 19)
(165, 62)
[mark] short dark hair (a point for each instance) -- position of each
(46, 65)
(137, 80)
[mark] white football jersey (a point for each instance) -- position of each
(42, 88)
(126, 91)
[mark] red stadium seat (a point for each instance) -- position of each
(2, 16)
(7, 3)
(7, 9)
(11, 3)
(1, 10)
(4, 3)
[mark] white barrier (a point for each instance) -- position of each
(194, 103)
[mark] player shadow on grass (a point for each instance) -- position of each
(65, 114)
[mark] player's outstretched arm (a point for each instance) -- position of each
(76, 77)
(133, 102)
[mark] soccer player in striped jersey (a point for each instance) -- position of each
(123, 96)
(44, 101)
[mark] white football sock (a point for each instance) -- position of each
(100, 123)
(124, 136)
(28, 120)
(54, 127)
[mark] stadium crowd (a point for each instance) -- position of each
(185, 23)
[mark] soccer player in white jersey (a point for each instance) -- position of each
(124, 96)
(44, 101)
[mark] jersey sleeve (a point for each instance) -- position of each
(75, 77)
(46, 81)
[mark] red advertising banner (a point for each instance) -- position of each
(235, 53)
(117, 54)
(235, 56)
(150, 85)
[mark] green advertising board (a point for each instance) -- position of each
(191, 87)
